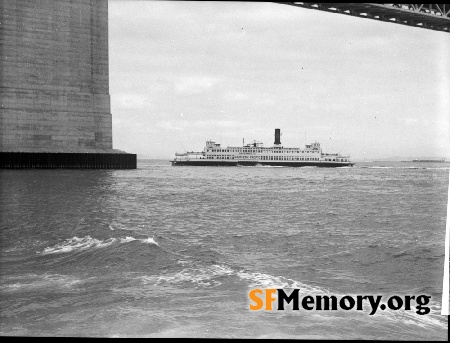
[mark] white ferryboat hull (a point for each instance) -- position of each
(202, 162)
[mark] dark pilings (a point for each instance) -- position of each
(20, 160)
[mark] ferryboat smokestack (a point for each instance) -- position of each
(277, 137)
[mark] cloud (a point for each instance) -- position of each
(195, 84)
(131, 101)
(235, 96)
(193, 125)
(168, 125)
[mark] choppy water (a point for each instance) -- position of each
(166, 251)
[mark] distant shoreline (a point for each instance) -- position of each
(434, 161)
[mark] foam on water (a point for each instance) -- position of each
(76, 244)
(34, 281)
(215, 275)
(201, 276)
(266, 166)
(127, 239)
(149, 240)
(269, 281)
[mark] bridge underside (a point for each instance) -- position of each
(426, 16)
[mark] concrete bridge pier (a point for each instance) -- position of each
(54, 86)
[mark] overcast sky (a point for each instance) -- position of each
(185, 72)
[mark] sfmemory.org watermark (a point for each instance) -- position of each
(264, 299)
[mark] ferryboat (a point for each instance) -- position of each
(255, 154)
